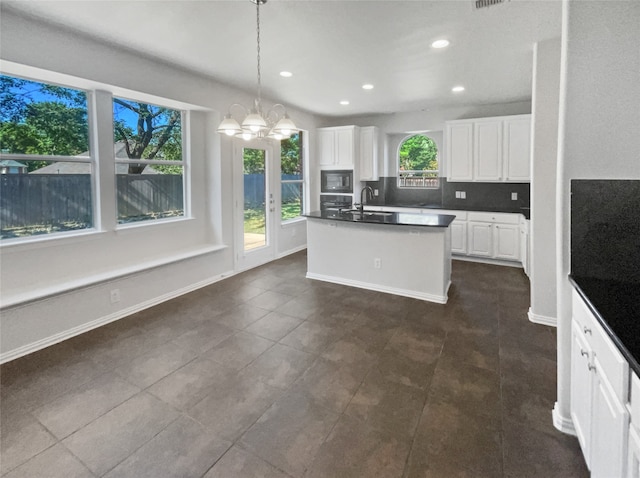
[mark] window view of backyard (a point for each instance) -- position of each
(418, 163)
(47, 170)
(45, 165)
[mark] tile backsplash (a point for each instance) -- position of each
(605, 229)
(496, 196)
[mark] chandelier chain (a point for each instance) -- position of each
(258, 48)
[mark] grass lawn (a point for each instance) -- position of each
(254, 218)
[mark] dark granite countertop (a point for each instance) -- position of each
(616, 305)
(391, 218)
(515, 210)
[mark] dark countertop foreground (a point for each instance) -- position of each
(392, 218)
(616, 306)
(515, 210)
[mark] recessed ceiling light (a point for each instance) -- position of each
(367, 86)
(286, 74)
(457, 89)
(440, 44)
(344, 102)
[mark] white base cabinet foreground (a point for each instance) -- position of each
(402, 260)
(599, 395)
(633, 461)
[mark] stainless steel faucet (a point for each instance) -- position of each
(369, 192)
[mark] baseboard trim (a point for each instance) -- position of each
(292, 251)
(94, 324)
(486, 260)
(541, 319)
(564, 424)
(439, 299)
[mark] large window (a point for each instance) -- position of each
(46, 170)
(149, 163)
(418, 163)
(292, 177)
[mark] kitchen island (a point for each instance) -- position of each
(397, 253)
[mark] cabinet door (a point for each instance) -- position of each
(610, 428)
(488, 150)
(506, 242)
(517, 149)
(460, 152)
(369, 154)
(581, 388)
(480, 236)
(326, 148)
(633, 466)
(524, 248)
(458, 237)
(345, 148)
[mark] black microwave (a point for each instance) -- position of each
(336, 181)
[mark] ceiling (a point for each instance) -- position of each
(332, 47)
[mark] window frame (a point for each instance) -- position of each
(303, 181)
(403, 175)
(53, 159)
(184, 163)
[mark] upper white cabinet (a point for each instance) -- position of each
(489, 149)
(459, 151)
(369, 153)
(338, 147)
(516, 148)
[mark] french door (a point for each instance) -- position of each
(255, 204)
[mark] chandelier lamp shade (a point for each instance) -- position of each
(274, 124)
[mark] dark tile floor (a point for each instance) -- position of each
(269, 374)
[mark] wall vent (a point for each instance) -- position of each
(487, 3)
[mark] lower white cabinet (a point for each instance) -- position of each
(633, 459)
(524, 244)
(599, 395)
(494, 235)
(480, 238)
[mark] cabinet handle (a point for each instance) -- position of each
(586, 330)
(592, 368)
(584, 353)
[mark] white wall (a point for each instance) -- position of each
(61, 286)
(598, 131)
(545, 104)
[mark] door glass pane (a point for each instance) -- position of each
(255, 203)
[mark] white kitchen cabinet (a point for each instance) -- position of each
(517, 148)
(581, 387)
(480, 238)
(494, 235)
(599, 394)
(369, 153)
(489, 149)
(459, 237)
(459, 151)
(633, 461)
(337, 147)
(524, 244)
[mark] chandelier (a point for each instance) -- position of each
(274, 124)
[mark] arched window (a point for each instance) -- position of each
(418, 163)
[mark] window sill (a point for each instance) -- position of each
(92, 280)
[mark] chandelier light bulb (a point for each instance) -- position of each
(229, 132)
(246, 136)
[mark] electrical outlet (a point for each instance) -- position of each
(457, 194)
(375, 192)
(115, 296)
(377, 263)
(463, 195)
(514, 196)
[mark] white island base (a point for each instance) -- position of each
(412, 261)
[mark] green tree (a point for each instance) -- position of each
(418, 153)
(290, 155)
(157, 133)
(42, 119)
(253, 161)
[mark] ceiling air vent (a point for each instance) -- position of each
(487, 3)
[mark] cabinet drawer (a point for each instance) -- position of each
(500, 217)
(635, 401)
(614, 365)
